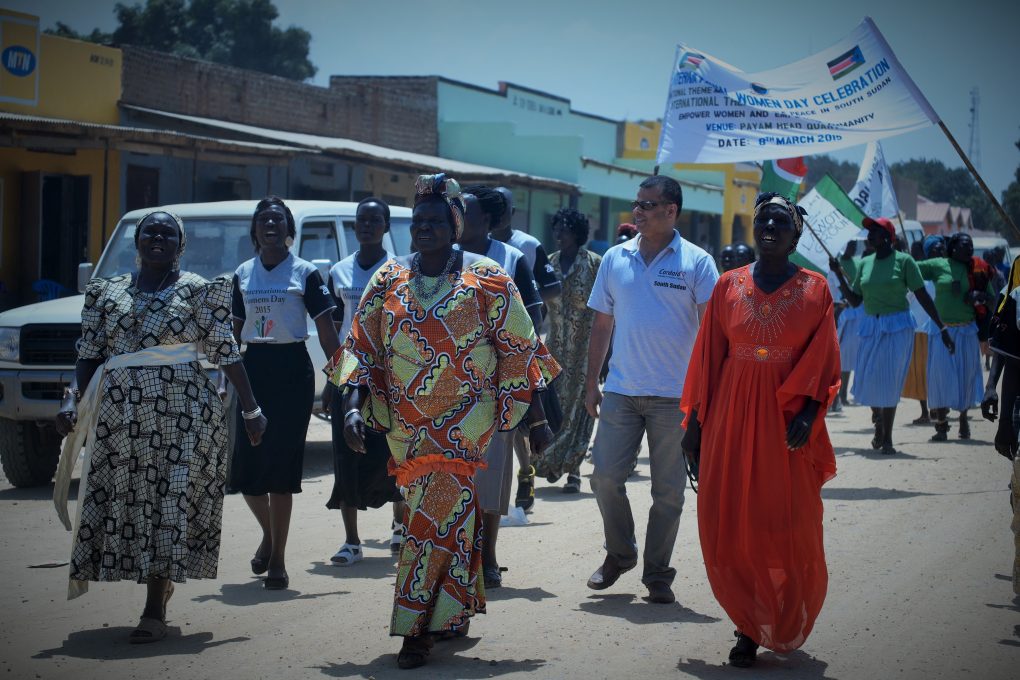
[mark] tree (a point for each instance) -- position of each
(1011, 201)
(950, 185)
(235, 32)
(844, 172)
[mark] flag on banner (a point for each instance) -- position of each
(849, 94)
(834, 220)
(873, 192)
(783, 176)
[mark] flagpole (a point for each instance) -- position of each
(903, 230)
(970, 166)
(655, 170)
(815, 234)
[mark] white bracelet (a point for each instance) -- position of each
(253, 414)
(348, 414)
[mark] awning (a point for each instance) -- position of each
(350, 149)
(21, 130)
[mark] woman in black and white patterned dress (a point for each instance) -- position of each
(151, 492)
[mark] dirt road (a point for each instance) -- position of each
(919, 552)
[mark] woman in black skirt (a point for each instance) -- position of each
(274, 293)
(360, 480)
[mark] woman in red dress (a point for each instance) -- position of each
(765, 367)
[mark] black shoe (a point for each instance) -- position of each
(608, 574)
(745, 652)
(573, 484)
(276, 582)
(964, 428)
(660, 593)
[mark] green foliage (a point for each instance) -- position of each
(1011, 201)
(234, 32)
(844, 172)
(950, 185)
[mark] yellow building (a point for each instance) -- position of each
(56, 193)
(640, 141)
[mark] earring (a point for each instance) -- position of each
(289, 241)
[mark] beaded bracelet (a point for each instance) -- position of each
(253, 414)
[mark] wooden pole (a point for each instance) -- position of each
(903, 230)
(655, 171)
(981, 182)
(815, 234)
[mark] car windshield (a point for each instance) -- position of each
(215, 247)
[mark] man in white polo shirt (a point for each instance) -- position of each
(648, 297)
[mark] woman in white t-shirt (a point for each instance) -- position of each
(274, 293)
(360, 480)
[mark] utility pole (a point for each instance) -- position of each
(974, 150)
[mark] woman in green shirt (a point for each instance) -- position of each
(886, 330)
(954, 379)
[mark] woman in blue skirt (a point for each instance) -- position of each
(886, 330)
(954, 378)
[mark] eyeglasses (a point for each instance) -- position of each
(644, 205)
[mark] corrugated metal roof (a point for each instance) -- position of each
(340, 145)
(931, 212)
(63, 125)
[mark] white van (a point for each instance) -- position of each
(37, 342)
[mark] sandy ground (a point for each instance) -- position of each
(919, 551)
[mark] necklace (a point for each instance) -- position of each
(423, 291)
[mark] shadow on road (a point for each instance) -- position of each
(505, 592)
(252, 593)
(37, 493)
(793, 665)
(444, 662)
(554, 494)
(625, 606)
(112, 643)
(370, 567)
(869, 493)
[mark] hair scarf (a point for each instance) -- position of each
(448, 190)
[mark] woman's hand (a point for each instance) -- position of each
(354, 431)
(835, 266)
(539, 438)
(947, 340)
(990, 405)
(67, 418)
(256, 427)
(328, 394)
(798, 432)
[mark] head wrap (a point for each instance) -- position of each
(441, 187)
(182, 237)
(930, 242)
(795, 211)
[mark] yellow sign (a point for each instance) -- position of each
(19, 58)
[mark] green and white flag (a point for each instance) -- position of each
(833, 218)
(783, 176)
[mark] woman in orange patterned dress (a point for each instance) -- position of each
(765, 367)
(441, 354)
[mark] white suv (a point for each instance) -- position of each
(37, 342)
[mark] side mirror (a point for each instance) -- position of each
(84, 275)
(323, 266)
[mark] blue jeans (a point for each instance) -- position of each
(622, 422)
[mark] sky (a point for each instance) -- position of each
(613, 58)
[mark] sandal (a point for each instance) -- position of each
(493, 576)
(573, 484)
(150, 629)
(397, 539)
(525, 489)
(348, 554)
(745, 652)
(276, 582)
(415, 651)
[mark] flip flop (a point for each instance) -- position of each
(148, 630)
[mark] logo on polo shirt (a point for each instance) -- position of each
(676, 279)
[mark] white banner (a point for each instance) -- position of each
(849, 94)
(832, 227)
(874, 193)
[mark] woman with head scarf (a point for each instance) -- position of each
(441, 354)
(916, 385)
(881, 284)
(275, 293)
(151, 491)
(767, 351)
(954, 378)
